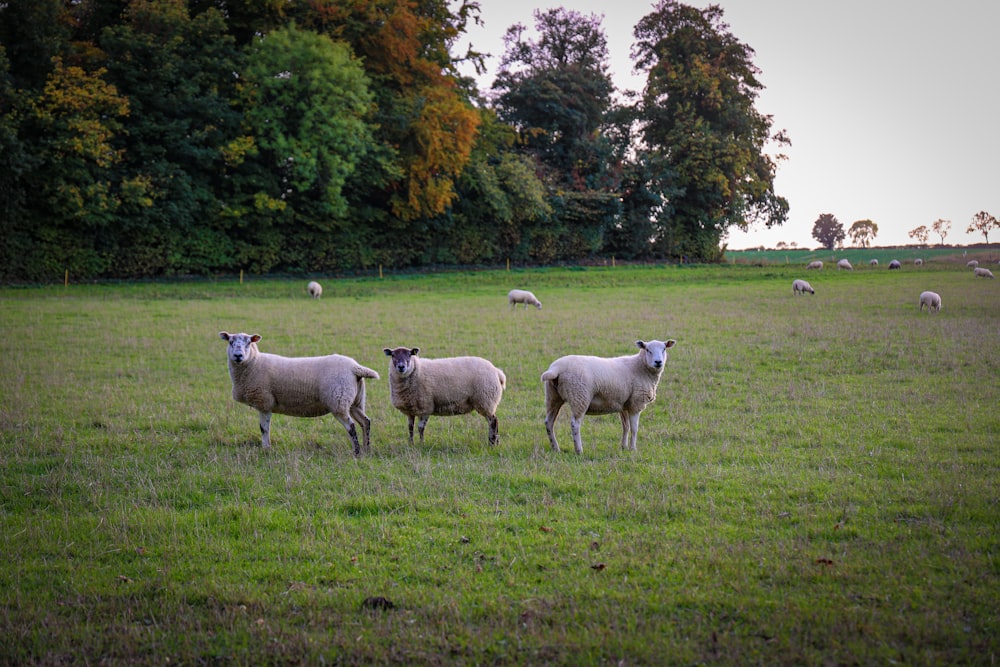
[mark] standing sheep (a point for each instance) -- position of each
(982, 273)
(972, 263)
(844, 264)
(516, 296)
(315, 289)
(600, 386)
(815, 265)
(895, 264)
(444, 387)
(918, 262)
(801, 287)
(932, 300)
(873, 262)
(298, 386)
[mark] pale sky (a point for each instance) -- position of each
(892, 106)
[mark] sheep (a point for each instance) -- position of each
(600, 386)
(516, 296)
(298, 386)
(895, 264)
(972, 263)
(932, 300)
(315, 289)
(844, 264)
(873, 262)
(420, 388)
(802, 286)
(815, 265)
(982, 273)
(918, 262)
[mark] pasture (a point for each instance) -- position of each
(817, 481)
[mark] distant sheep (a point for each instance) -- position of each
(895, 264)
(315, 289)
(420, 387)
(918, 262)
(298, 386)
(873, 262)
(972, 263)
(982, 273)
(844, 264)
(600, 386)
(801, 287)
(516, 296)
(815, 265)
(932, 300)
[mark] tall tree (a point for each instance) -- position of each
(862, 232)
(921, 234)
(828, 231)
(983, 222)
(697, 112)
(941, 227)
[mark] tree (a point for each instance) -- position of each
(862, 232)
(983, 222)
(828, 231)
(941, 228)
(921, 234)
(697, 113)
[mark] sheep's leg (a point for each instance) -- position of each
(553, 403)
(265, 430)
(409, 424)
(574, 426)
(366, 426)
(634, 422)
(494, 429)
(352, 432)
(625, 426)
(421, 424)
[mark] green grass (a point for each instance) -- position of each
(816, 483)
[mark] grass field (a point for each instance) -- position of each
(816, 483)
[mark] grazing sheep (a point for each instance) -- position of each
(918, 262)
(315, 289)
(600, 386)
(844, 264)
(815, 265)
(895, 264)
(932, 300)
(802, 286)
(298, 386)
(873, 262)
(972, 263)
(983, 273)
(449, 386)
(516, 296)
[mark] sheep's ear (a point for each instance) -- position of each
(414, 351)
(670, 343)
(387, 351)
(254, 338)
(639, 344)
(224, 335)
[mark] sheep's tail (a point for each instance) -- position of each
(503, 379)
(550, 375)
(363, 372)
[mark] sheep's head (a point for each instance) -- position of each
(241, 345)
(654, 353)
(402, 359)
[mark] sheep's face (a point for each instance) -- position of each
(654, 352)
(241, 346)
(401, 361)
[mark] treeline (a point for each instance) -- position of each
(167, 137)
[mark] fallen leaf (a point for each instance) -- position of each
(598, 566)
(824, 561)
(545, 529)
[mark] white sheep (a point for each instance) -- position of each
(895, 264)
(801, 287)
(815, 265)
(918, 262)
(600, 386)
(420, 388)
(844, 264)
(972, 263)
(298, 386)
(516, 296)
(932, 300)
(873, 262)
(315, 289)
(982, 273)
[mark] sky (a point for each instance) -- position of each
(892, 106)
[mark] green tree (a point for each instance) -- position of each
(921, 234)
(862, 232)
(983, 222)
(941, 227)
(697, 113)
(828, 231)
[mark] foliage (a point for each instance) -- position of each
(697, 114)
(828, 231)
(941, 227)
(862, 232)
(921, 234)
(797, 452)
(983, 222)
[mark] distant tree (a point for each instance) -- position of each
(983, 222)
(781, 245)
(941, 228)
(921, 234)
(862, 232)
(794, 244)
(828, 231)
